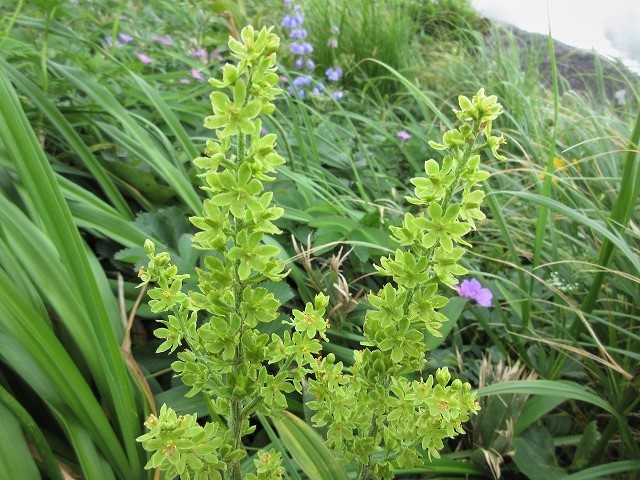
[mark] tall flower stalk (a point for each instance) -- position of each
(376, 415)
(238, 369)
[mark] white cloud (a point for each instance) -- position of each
(611, 27)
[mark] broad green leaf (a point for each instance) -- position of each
(535, 456)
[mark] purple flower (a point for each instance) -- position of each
(122, 17)
(164, 40)
(299, 62)
(184, 80)
(125, 37)
(473, 289)
(144, 58)
(338, 94)
(199, 52)
(334, 74)
(332, 43)
(310, 64)
(316, 91)
(298, 33)
(301, 48)
(302, 81)
(296, 91)
(292, 21)
(109, 42)
(196, 74)
(403, 135)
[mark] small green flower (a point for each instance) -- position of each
(442, 229)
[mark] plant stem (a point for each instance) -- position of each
(237, 417)
(460, 167)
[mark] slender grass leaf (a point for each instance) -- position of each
(308, 450)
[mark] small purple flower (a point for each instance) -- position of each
(109, 42)
(296, 91)
(144, 58)
(299, 62)
(317, 92)
(332, 43)
(292, 21)
(122, 17)
(302, 81)
(185, 80)
(125, 37)
(403, 135)
(301, 48)
(262, 131)
(473, 289)
(334, 74)
(196, 74)
(337, 94)
(310, 64)
(298, 33)
(199, 52)
(163, 40)
(287, 3)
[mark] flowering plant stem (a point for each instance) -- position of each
(373, 410)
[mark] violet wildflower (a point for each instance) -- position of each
(297, 91)
(292, 21)
(474, 290)
(302, 81)
(185, 80)
(199, 52)
(144, 58)
(334, 74)
(338, 94)
(125, 37)
(298, 33)
(403, 135)
(196, 74)
(109, 42)
(163, 40)
(301, 48)
(310, 64)
(299, 62)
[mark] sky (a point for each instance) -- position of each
(611, 27)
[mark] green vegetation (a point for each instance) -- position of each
(101, 109)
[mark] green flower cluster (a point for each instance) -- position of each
(375, 414)
(238, 369)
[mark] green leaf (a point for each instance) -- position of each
(534, 455)
(16, 461)
(308, 450)
(452, 310)
(589, 439)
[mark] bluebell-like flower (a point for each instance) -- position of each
(338, 94)
(293, 91)
(310, 64)
(299, 62)
(301, 48)
(334, 74)
(302, 81)
(292, 21)
(298, 33)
